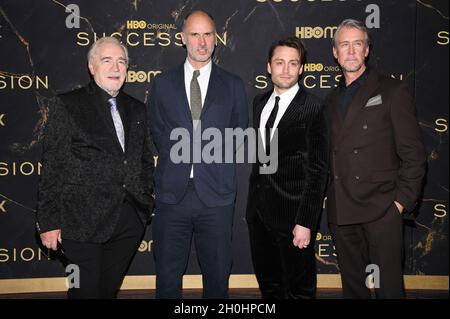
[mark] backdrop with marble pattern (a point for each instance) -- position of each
(43, 47)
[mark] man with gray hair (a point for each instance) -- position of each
(377, 163)
(95, 192)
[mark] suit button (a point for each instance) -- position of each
(355, 151)
(365, 127)
(336, 177)
(125, 162)
(357, 177)
(124, 186)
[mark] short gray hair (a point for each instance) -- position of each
(93, 49)
(352, 23)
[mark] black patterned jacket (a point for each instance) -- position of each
(85, 173)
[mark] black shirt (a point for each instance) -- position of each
(347, 93)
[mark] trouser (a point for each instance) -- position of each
(102, 266)
(283, 270)
(371, 247)
(173, 229)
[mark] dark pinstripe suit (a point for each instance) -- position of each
(292, 195)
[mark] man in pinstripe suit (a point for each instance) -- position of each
(284, 208)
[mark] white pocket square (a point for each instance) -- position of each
(376, 100)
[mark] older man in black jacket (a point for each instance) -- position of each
(95, 194)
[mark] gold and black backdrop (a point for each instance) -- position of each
(43, 47)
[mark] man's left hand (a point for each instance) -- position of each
(302, 236)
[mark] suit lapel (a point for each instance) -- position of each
(259, 108)
(213, 89)
(103, 125)
(358, 102)
(179, 85)
(334, 117)
(257, 114)
(290, 115)
(126, 114)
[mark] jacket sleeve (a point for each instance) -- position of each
(316, 172)
(240, 109)
(148, 162)
(409, 148)
(154, 116)
(55, 152)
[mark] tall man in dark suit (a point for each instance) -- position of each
(194, 197)
(377, 167)
(95, 192)
(283, 208)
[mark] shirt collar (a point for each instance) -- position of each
(203, 70)
(358, 82)
(287, 96)
(102, 94)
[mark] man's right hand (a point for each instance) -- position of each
(51, 238)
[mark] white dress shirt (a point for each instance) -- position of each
(203, 81)
(285, 99)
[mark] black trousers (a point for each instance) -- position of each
(102, 266)
(173, 229)
(376, 245)
(283, 271)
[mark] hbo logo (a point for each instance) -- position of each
(135, 24)
(313, 67)
(141, 76)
